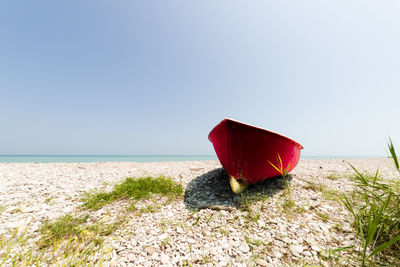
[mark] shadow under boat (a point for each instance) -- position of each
(212, 190)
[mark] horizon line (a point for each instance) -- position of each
(108, 155)
(163, 155)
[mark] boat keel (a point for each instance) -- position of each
(238, 184)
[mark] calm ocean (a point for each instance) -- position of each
(137, 158)
(96, 158)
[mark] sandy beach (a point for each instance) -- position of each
(206, 226)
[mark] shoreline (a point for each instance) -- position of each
(141, 158)
(31, 193)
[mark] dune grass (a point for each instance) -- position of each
(75, 241)
(375, 206)
(63, 227)
(135, 189)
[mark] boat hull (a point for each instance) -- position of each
(250, 154)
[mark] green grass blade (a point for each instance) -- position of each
(360, 225)
(393, 154)
(276, 168)
(280, 162)
(384, 246)
(359, 176)
(373, 222)
(341, 249)
(375, 177)
(287, 169)
(134, 188)
(348, 205)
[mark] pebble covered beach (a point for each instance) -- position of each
(207, 225)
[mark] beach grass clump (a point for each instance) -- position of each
(316, 187)
(334, 176)
(75, 241)
(63, 227)
(75, 227)
(14, 250)
(136, 189)
(375, 206)
(326, 192)
(67, 241)
(331, 194)
(323, 216)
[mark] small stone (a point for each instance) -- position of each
(221, 263)
(164, 259)
(324, 229)
(315, 248)
(28, 210)
(347, 229)
(179, 230)
(261, 223)
(35, 228)
(150, 250)
(296, 250)
(196, 258)
(131, 258)
(307, 253)
(213, 251)
(133, 242)
(261, 262)
(163, 236)
(225, 245)
(279, 243)
(277, 254)
(113, 255)
(191, 240)
(234, 243)
(323, 209)
(154, 256)
(153, 233)
(244, 248)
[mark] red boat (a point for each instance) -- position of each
(250, 154)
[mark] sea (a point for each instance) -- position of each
(130, 158)
(100, 158)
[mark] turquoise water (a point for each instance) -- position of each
(96, 158)
(137, 158)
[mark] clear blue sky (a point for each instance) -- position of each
(154, 77)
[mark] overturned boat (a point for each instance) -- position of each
(250, 154)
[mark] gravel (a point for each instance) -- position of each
(208, 226)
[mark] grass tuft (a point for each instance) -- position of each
(150, 208)
(375, 206)
(327, 193)
(63, 227)
(334, 176)
(323, 216)
(393, 155)
(74, 241)
(134, 188)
